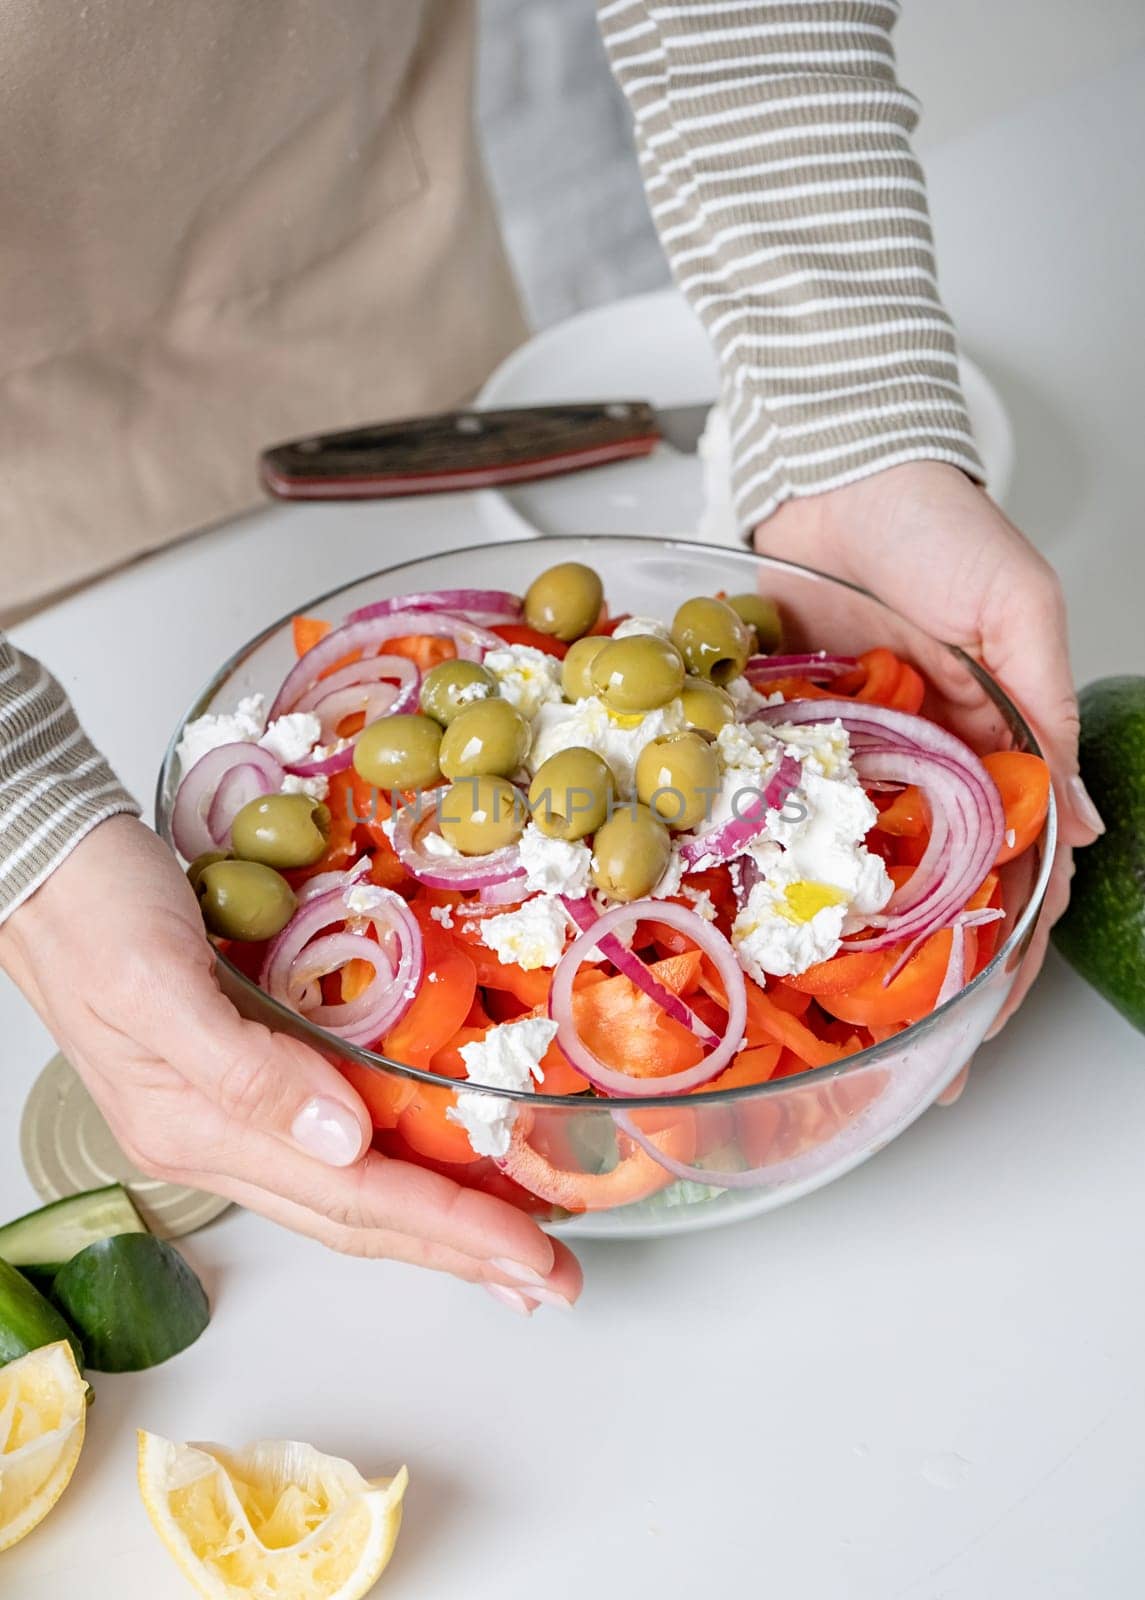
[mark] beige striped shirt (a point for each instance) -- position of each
(774, 144)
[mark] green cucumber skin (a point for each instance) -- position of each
(134, 1301)
(41, 1241)
(27, 1320)
(1102, 934)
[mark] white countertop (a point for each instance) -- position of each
(924, 1381)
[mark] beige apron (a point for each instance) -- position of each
(224, 222)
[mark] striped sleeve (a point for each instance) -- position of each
(54, 785)
(774, 141)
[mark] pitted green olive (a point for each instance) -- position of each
(678, 778)
(577, 666)
(712, 638)
(477, 815)
(451, 686)
(630, 853)
(570, 794)
(490, 738)
(244, 900)
(399, 752)
(762, 615)
(638, 673)
(281, 830)
(201, 863)
(565, 601)
(706, 705)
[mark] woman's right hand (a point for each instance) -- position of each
(111, 952)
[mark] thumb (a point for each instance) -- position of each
(267, 1081)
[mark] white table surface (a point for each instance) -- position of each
(925, 1381)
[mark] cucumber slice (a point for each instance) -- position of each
(41, 1242)
(133, 1300)
(27, 1320)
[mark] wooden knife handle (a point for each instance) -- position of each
(459, 450)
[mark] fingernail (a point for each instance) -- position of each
(510, 1297)
(1083, 807)
(326, 1130)
(550, 1297)
(517, 1270)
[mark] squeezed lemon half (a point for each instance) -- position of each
(276, 1520)
(43, 1413)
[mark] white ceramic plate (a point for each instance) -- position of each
(651, 347)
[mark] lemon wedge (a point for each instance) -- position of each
(273, 1521)
(43, 1413)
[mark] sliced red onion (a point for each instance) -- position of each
(323, 882)
(509, 892)
(730, 838)
(584, 914)
(375, 687)
(968, 919)
(819, 668)
(477, 605)
(310, 946)
(367, 637)
(198, 824)
(967, 821)
(713, 944)
(414, 821)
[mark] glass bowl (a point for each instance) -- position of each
(604, 1168)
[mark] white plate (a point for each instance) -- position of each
(651, 347)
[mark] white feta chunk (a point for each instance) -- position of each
(508, 1057)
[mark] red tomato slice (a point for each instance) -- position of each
(518, 633)
(1023, 781)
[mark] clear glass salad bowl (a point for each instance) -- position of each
(608, 1168)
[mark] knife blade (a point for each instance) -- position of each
(474, 449)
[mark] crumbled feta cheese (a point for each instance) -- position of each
(364, 899)
(641, 625)
(748, 699)
(702, 902)
(442, 914)
(774, 933)
(671, 878)
(589, 723)
(317, 787)
(527, 678)
(508, 1057)
(436, 844)
(477, 690)
(243, 725)
(823, 747)
(532, 936)
(291, 738)
(554, 866)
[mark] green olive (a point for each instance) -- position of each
(706, 705)
(244, 900)
(762, 615)
(451, 686)
(577, 666)
(201, 863)
(281, 830)
(678, 778)
(630, 853)
(477, 815)
(489, 738)
(712, 638)
(637, 673)
(564, 601)
(399, 752)
(570, 795)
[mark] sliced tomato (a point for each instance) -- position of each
(907, 814)
(518, 633)
(442, 1002)
(530, 988)
(789, 998)
(384, 1093)
(908, 997)
(838, 974)
(308, 631)
(427, 1127)
(635, 1176)
(1023, 781)
(628, 1031)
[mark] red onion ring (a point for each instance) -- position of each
(367, 638)
(198, 824)
(730, 838)
(323, 882)
(818, 668)
(967, 821)
(306, 950)
(477, 605)
(437, 872)
(584, 914)
(378, 686)
(713, 944)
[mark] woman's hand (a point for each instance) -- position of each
(935, 547)
(111, 952)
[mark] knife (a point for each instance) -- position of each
(474, 449)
